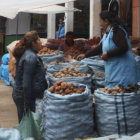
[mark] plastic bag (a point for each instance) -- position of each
(68, 117)
(9, 134)
(5, 59)
(30, 126)
(117, 113)
(5, 74)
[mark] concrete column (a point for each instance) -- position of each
(69, 21)
(136, 18)
(95, 9)
(51, 26)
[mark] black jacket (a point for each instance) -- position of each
(30, 76)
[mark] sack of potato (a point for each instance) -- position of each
(95, 63)
(69, 75)
(51, 57)
(46, 51)
(117, 111)
(98, 80)
(66, 115)
(77, 65)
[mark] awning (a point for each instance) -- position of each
(10, 8)
(51, 9)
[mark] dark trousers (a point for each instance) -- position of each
(18, 98)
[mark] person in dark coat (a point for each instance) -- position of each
(30, 80)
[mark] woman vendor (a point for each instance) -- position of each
(120, 65)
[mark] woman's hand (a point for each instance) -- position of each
(81, 56)
(104, 56)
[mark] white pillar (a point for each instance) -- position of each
(51, 26)
(95, 9)
(69, 18)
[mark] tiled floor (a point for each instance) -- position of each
(8, 112)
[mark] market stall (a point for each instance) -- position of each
(67, 109)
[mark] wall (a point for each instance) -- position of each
(10, 38)
(23, 24)
(136, 18)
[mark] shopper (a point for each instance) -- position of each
(30, 73)
(69, 41)
(120, 65)
(61, 30)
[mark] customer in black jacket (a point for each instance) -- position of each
(30, 73)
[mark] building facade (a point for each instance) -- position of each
(85, 24)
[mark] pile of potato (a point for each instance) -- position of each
(99, 75)
(73, 51)
(68, 72)
(46, 50)
(93, 41)
(112, 91)
(62, 88)
(121, 89)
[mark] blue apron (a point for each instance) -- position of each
(120, 70)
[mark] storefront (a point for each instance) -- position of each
(2, 35)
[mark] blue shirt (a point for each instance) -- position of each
(61, 31)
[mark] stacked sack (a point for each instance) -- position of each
(96, 67)
(47, 58)
(118, 110)
(98, 80)
(4, 69)
(67, 112)
(95, 63)
(51, 68)
(69, 74)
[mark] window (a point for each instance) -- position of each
(39, 23)
(81, 19)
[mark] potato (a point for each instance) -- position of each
(51, 89)
(57, 88)
(64, 85)
(78, 91)
(67, 91)
(58, 83)
(61, 91)
(71, 86)
(63, 94)
(61, 87)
